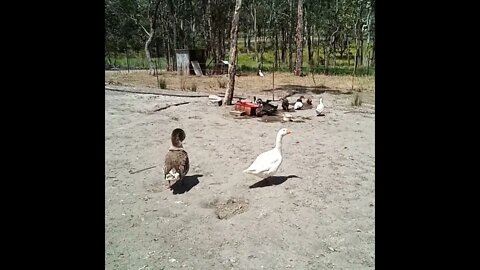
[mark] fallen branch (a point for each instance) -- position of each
(168, 106)
(133, 172)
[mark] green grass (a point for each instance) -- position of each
(135, 61)
(246, 63)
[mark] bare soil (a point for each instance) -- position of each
(317, 212)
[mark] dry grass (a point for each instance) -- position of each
(357, 100)
(162, 83)
(249, 83)
(222, 83)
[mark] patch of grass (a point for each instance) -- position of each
(135, 61)
(357, 100)
(183, 83)
(114, 82)
(222, 83)
(162, 83)
(246, 63)
(193, 87)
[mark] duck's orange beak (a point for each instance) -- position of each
(289, 131)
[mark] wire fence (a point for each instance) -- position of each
(131, 61)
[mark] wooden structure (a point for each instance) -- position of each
(185, 58)
(220, 68)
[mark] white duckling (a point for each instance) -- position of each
(176, 160)
(267, 163)
(287, 117)
(299, 104)
(320, 108)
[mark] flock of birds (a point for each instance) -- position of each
(266, 164)
(176, 164)
(267, 108)
(298, 105)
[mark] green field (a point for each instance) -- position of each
(246, 62)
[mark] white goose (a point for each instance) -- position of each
(320, 108)
(267, 163)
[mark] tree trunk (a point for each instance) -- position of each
(233, 54)
(369, 23)
(151, 67)
(290, 40)
(299, 37)
(245, 41)
(262, 51)
(309, 45)
(326, 59)
(255, 33)
(334, 57)
(319, 59)
(168, 54)
(153, 24)
(373, 53)
(275, 62)
(284, 48)
(211, 36)
(361, 49)
(356, 58)
(348, 51)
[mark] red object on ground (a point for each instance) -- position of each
(247, 107)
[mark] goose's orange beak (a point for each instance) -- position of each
(289, 131)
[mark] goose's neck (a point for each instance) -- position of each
(278, 142)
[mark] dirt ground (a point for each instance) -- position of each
(247, 84)
(318, 214)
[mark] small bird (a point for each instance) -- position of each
(259, 110)
(287, 117)
(260, 73)
(176, 164)
(285, 104)
(309, 101)
(299, 104)
(320, 108)
(267, 163)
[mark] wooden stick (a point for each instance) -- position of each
(176, 104)
(133, 172)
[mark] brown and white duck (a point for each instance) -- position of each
(176, 160)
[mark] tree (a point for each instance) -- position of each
(299, 37)
(232, 66)
(152, 17)
(339, 28)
